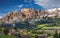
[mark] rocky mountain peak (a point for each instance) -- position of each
(31, 14)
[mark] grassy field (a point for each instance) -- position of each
(32, 33)
(7, 36)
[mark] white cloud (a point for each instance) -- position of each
(48, 3)
(25, 0)
(16, 19)
(20, 5)
(0, 17)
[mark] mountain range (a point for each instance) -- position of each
(29, 14)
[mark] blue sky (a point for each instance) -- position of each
(11, 5)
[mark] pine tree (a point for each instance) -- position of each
(56, 34)
(59, 35)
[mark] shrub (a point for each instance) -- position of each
(6, 31)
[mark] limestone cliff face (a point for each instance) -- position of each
(30, 14)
